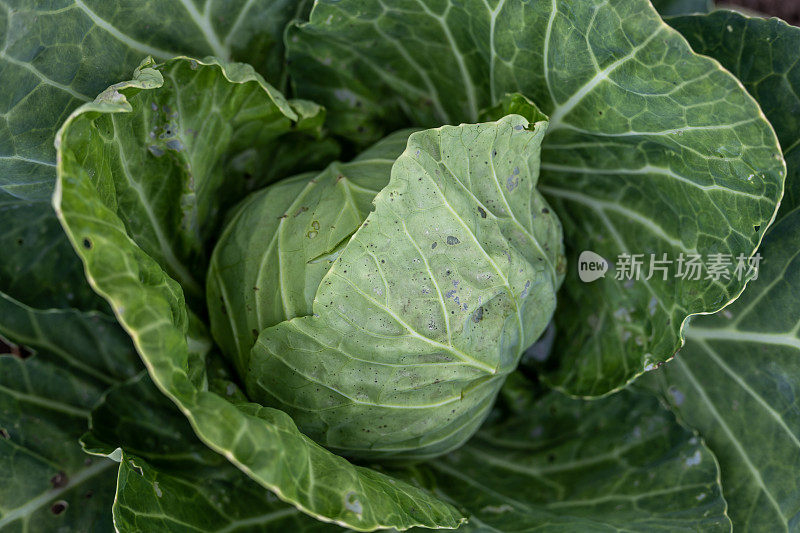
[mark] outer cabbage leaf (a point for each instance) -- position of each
(110, 233)
(166, 131)
(430, 301)
(652, 149)
(737, 380)
(620, 463)
(169, 480)
(153, 499)
(45, 399)
(57, 55)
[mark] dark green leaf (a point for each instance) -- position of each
(620, 463)
(737, 380)
(651, 149)
(45, 399)
(762, 54)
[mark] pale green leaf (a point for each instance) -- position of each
(652, 149)
(157, 125)
(430, 303)
(254, 282)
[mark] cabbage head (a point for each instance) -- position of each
(387, 333)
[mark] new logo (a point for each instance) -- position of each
(591, 266)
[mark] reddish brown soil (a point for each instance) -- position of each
(788, 10)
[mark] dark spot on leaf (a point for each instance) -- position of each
(19, 242)
(175, 144)
(14, 349)
(155, 150)
(59, 507)
(477, 316)
(452, 240)
(59, 480)
(551, 458)
(512, 182)
(545, 211)
(89, 494)
(756, 228)
(87, 243)
(481, 212)
(433, 246)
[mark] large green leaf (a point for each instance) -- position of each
(652, 149)
(170, 481)
(45, 398)
(737, 380)
(57, 55)
(768, 71)
(110, 235)
(620, 463)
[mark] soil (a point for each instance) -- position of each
(788, 10)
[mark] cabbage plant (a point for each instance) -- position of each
(270, 266)
(389, 333)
